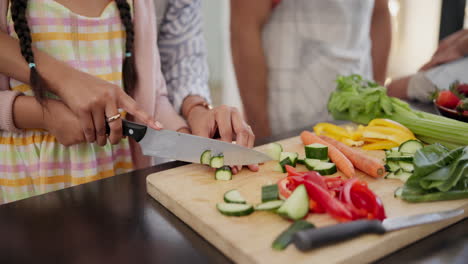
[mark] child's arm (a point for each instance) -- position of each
(55, 118)
(89, 97)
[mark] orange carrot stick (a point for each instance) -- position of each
(370, 165)
(340, 160)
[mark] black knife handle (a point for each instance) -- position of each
(314, 238)
(130, 129)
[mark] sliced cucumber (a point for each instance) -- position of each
(234, 196)
(316, 151)
(410, 146)
(278, 168)
(392, 175)
(301, 161)
(403, 175)
(269, 206)
(325, 168)
(270, 193)
(285, 238)
(393, 166)
(297, 205)
(406, 158)
(205, 157)
(284, 162)
(232, 209)
(274, 150)
(223, 174)
(312, 163)
(293, 156)
(398, 192)
(217, 161)
(406, 166)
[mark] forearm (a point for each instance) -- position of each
(252, 75)
(28, 113)
(13, 65)
(399, 88)
(381, 37)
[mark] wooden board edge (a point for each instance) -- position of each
(231, 251)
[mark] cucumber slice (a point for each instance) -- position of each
(325, 168)
(297, 205)
(278, 168)
(398, 192)
(234, 196)
(274, 150)
(293, 156)
(269, 206)
(406, 166)
(205, 157)
(316, 151)
(403, 175)
(270, 193)
(223, 174)
(392, 175)
(406, 158)
(393, 166)
(410, 146)
(301, 161)
(217, 161)
(231, 209)
(285, 238)
(312, 163)
(284, 162)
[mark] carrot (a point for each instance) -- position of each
(370, 165)
(342, 163)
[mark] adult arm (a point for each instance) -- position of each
(451, 48)
(247, 21)
(381, 37)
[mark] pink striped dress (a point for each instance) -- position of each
(33, 162)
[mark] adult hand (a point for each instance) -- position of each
(93, 99)
(62, 123)
(451, 48)
(228, 121)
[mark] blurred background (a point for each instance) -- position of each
(417, 27)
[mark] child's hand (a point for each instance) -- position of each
(93, 99)
(60, 121)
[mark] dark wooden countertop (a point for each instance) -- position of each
(115, 221)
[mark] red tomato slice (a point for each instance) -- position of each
(284, 191)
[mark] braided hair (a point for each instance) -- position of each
(38, 84)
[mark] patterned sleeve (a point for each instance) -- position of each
(183, 52)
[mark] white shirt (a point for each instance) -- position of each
(308, 43)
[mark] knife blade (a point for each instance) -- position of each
(315, 238)
(185, 147)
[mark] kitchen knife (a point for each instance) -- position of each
(180, 146)
(314, 238)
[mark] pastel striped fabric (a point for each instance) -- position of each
(33, 162)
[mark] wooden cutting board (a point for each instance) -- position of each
(191, 193)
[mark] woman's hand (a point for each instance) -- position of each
(62, 123)
(451, 48)
(93, 100)
(228, 121)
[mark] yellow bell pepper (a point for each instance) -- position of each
(387, 133)
(352, 143)
(382, 144)
(330, 129)
(391, 124)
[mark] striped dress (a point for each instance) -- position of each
(33, 162)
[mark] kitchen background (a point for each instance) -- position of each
(416, 26)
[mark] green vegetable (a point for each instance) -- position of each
(285, 238)
(439, 174)
(361, 101)
(270, 192)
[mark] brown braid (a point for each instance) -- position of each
(18, 13)
(129, 73)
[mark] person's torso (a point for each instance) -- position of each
(307, 44)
